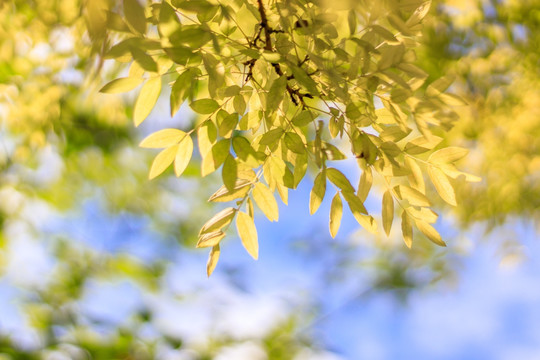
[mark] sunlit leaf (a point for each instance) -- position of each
(248, 234)
(229, 172)
(442, 184)
(121, 85)
(147, 99)
(317, 192)
(218, 221)
(338, 179)
(387, 211)
(448, 155)
(135, 15)
(163, 138)
(430, 232)
(406, 229)
(336, 212)
(204, 106)
(210, 239)
(183, 155)
(162, 161)
(213, 259)
(413, 196)
(266, 201)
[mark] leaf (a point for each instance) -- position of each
(162, 161)
(147, 99)
(303, 119)
(241, 188)
(416, 179)
(387, 211)
(144, 60)
(135, 15)
(206, 137)
(406, 229)
(275, 94)
(181, 89)
(163, 138)
(422, 144)
(442, 185)
(271, 136)
(218, 221)
(213, 159)
(413, 196)
(294, 143)
(304, 79)
(439, 86)
(248, 234)
(338, 179)
(183, 155)
(121, 85)
(229, 172)
(359, 212)
(213, 259)
(364, 185)
(336, 212)
(448, 155)
(266, 201)
(317, 192)
(204, 106)
(210, 239)
(430, 232)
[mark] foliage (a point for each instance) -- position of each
(281, 87)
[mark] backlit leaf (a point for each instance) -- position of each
(338, 179)
(448, 155)
(241, 188)
(204, 106)
(218, 221)
(416, 179)
(266, 201)
(121, 85)
(183, 155)
(430, 232)
(276, 93)
(422, 144)
(248, 234)
(387, 211)
(162, 161)
(163, 138)
(229, 172)
(135, 15)
(210, 239)
(406, 229)
(317, 192)
(336, 212)
(364, 185)
(442, 184)
(413, 196)
(213, 259)
(147, 99)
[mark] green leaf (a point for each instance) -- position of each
(229, 172)
(271, 136)
(121, 85)
(147, 99)
(163, 138)
(213, 259)
(248, 234)
(338, 179)
(305, 80)
(303, 119)
(135, 16)
(213, 159)
(294, 143)
(218, 221)
(181, 89)
(144, 60)
(448, 155)
(317, 192)
(266, 201)
(413, 196)
(439, 86)
(406, 229)
(364, 185)
(183, 155)
(359, 212)
(336, 212)
(276, 93)
(162, 161)
(204, 106)
(430, 232)
(387, 211)
(442, 185)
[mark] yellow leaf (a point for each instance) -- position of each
(364, 185)
(336, 212)
(448, 155)
(413, 196)
(387, 211)
(147, 99)
(430, 232)
(162, 138)
(442, 184)
(317, 192)
(338, 179)
(416, 179)
(162, 161)
(212, 260)
(422, 144)
(218, 221)
(213, 159)
(266, 201)
(241, 188)
(183, 155)
(210, 239)
(359, 212)
(406, 229)
(248, 234)
(121, 85)
(229, 172)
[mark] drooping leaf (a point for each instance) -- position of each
(218, 221)
(162, 138)
(266, 201)
(448, 155)
(121, 85)
(162, 161)
(183, 155)
(213, 259)
(210, 239)
(241, 188)
(317, 192)
(229, 172)
(135, 16)
(387, 211)
(430, 232)
(413, 196)
(442, 185)
(364, 185)
(338, 179)
(416, 179)
(294, 143)
(406, 229)
(248, 234)
(147, 99)
(336, 212)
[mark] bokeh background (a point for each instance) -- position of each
(97, 262)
